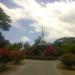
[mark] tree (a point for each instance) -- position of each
(27, 46)
(15, 46)
(4, 21)
(3, 42)
(5, 57)
(4, 25)
(37, 48)
(64, 45)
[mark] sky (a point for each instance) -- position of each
(28, 16)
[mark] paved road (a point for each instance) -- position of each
(36, 67)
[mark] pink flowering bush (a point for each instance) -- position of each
(18, 56)
(49, 51)
(7, 56)
(5, 53)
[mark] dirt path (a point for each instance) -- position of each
(35, 67)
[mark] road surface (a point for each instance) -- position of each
(35, 67)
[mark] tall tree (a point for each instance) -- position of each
(3, 42)
(4, 25)
(4, 21)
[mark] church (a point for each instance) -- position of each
(44, 48)
(41, 47)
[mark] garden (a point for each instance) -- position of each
(62, 49)
(8, 56)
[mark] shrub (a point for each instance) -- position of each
(68, 59)
(5, 56)
(18, 56)
(49, 51)
(5, 53)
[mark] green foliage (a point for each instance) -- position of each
(15, 46)
(4, 59)
(67, 45)
(4, 20)
(27, 46)
(4, 25)
(3, 42)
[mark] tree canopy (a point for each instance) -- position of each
(64, 45)
(4, 20)
(4, 25)
(3, 42)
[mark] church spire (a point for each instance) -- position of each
(42, 34)
(42, 40)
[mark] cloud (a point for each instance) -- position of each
(25, 39)
(49, 1)
(69, 17)
(31, 32)
(15, 14)
(9, 3)
(57, 18)
(25, 23)
(44, 2)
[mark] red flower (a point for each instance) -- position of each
(49, 51)
(5, 52)
(19, 54)
(12, 54)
